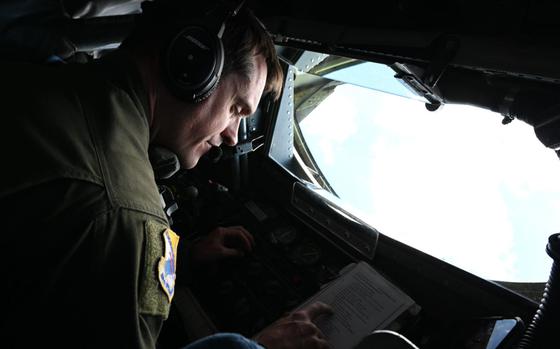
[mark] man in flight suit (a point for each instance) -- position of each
(87, 255)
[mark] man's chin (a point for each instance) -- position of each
(189, 165)
(189, 162)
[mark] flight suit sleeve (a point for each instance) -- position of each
(136, 275)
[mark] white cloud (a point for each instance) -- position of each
(334, 121)
(442, 211)
(437, 190)
(437, 179)
(440, 186)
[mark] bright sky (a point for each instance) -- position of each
(454, 183)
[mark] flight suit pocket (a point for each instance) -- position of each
(157, 285)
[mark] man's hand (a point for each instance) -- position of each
(296, 330)
(222, 243)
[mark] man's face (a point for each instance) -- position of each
(190, 131)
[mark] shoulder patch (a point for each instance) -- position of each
(168, 263)
(157, 279)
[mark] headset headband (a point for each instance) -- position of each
(193, 60)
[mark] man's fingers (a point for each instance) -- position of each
(236, 238)
(308, 329)
(245, 233)
(314, 310)
(315, 343)
(231, 252)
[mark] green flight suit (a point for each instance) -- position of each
(83, 231)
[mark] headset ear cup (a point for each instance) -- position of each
(202, 96)
(193, 62)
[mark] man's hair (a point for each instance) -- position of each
(244, 37)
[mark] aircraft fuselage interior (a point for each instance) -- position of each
(274, 184)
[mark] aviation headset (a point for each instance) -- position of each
(193, 59)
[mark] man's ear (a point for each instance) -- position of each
(164, 162)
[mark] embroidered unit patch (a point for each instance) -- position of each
(168, 263)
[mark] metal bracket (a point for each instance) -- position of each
(243, 147)
(505, 106)
(445, 49)
(413, 82)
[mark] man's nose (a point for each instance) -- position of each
(229, 135)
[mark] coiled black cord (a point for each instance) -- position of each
(540, 332)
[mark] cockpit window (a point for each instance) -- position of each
(454, 183)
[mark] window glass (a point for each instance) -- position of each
(374, 76)
(454, 183)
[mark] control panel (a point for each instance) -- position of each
(303, 244)
(289, 262)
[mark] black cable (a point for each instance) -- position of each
(541, 331)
